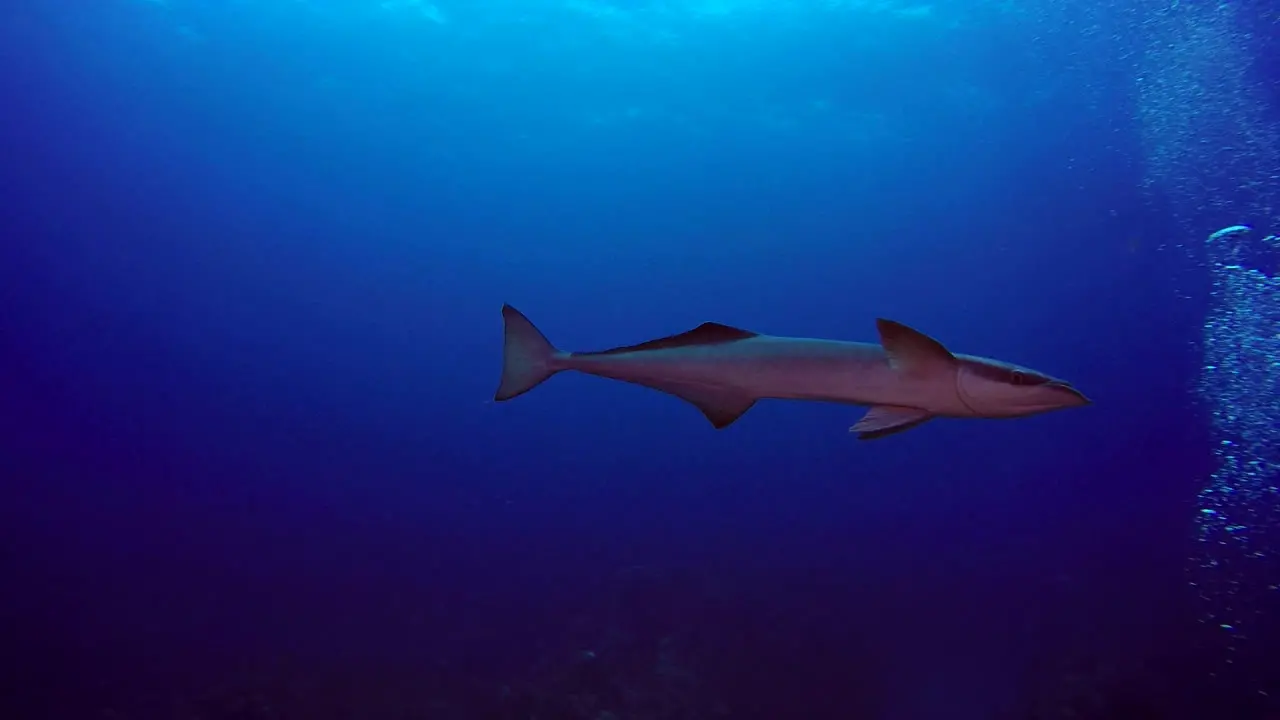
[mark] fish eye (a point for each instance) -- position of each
(1019, 377)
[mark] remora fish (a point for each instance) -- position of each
(907, 379)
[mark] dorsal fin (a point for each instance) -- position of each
(708, 333)
(911, 351)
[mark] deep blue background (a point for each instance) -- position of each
(251, 273)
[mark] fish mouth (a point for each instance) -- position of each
(1075, 397)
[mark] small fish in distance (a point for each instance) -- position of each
(907, 378)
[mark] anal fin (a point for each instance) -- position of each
(721, 406)
(883, 420)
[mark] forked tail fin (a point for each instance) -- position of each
(526, 355)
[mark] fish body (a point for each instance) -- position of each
(906, 379)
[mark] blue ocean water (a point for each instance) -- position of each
(253, 257)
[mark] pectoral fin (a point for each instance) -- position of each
(883, 420)
(722, 407)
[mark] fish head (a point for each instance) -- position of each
(995, 389)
